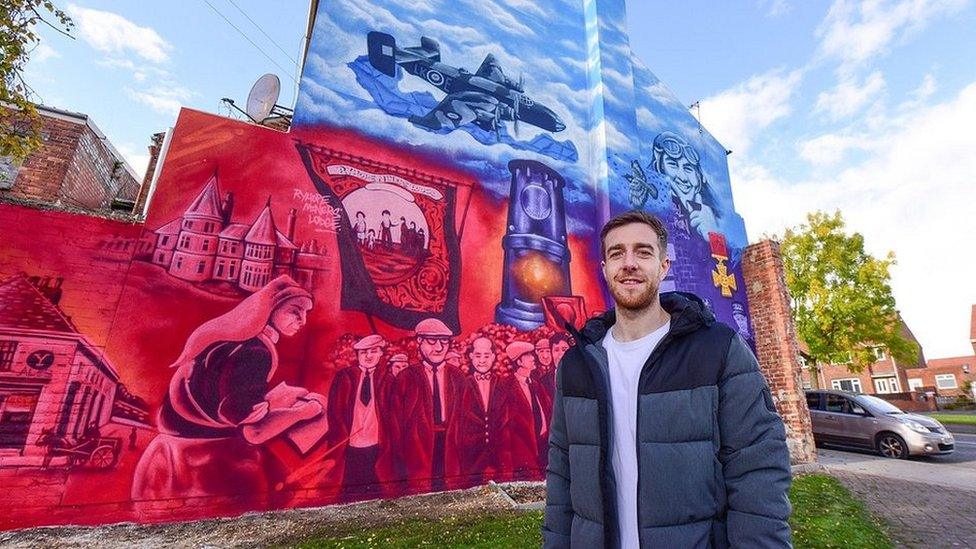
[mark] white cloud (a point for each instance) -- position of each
(164, 98)
(849, 96)
(912, 194)
(136, 157)
(830, 148)
(43, 52)
(113, 34)
(775, 8)
(854, 32)
(736, 115)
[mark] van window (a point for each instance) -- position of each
(813, 401)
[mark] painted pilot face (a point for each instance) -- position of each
(291, 315)
(685, 181)
(369, 358)
(434, 349)
(482, 357)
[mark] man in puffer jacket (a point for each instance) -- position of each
(664, 433)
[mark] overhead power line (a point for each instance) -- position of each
(266, 35)
(248, 38)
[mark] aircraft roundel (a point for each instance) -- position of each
(435, 78)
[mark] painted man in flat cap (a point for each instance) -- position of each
(530, 410)
(426, 397)
(356, 414)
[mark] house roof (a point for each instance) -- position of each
(235, 231)
(173, 227)
(283, 241)
(953, 362)
(207, 203)
(23, 306)
(263, 231)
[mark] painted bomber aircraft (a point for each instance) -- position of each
(484, 98)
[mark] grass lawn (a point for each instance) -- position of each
(959, 419)
(824, 516)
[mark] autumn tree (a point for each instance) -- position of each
(19, 121)
(841, 295)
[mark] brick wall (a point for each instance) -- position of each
(43, 171)
(776, 344)
(74, 166)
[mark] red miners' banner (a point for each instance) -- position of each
(400, 252)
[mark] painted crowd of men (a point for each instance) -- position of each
(412, 240)
(432, 426)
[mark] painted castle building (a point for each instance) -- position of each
(205, 244)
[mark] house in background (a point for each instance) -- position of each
(941, 377)
(884, 376)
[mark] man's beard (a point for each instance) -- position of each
(634, 302)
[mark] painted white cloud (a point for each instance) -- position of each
(849, 96)
(736, 115)
(113, 34)
(912, 194)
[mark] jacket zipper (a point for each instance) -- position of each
(655, 354)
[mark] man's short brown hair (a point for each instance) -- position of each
(635, 216)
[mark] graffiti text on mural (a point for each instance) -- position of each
(318, 212)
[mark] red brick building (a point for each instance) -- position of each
(76, 166)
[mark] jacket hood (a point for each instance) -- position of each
(688, 313)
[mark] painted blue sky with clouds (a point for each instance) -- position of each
(863, 106)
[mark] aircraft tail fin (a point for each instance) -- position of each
(381, 48)
(431, 47)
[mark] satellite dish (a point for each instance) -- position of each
(263, 96)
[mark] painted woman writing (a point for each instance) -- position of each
(219, 411)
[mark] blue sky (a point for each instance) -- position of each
(867, 107)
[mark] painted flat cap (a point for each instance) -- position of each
(543, 343)
(370, 341)
(516, 349)
(399, 357)
(432, 327)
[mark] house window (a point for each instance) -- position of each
(188, 225)
(879, 353)
(914, 383)
(164, 241)
(160, 257)
(946, 381)
(231, 271)
(179, 262)
(206, 245)
(220, 269)
(184, 242)
(851, 384)
(200, 267)
(7, 349)
(806, 385)
(885, 385)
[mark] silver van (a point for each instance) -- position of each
(865, 421)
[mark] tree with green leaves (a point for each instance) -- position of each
(841, 295)
(19, 120)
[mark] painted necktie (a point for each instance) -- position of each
(438, 416)
(366, 393)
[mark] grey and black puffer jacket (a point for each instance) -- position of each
(713, 465)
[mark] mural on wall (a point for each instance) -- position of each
(374, 303)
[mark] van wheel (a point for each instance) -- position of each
(892, 446)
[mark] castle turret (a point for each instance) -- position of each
(196, 246)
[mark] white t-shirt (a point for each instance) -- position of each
(626, 361)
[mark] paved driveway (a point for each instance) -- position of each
(927, 502)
